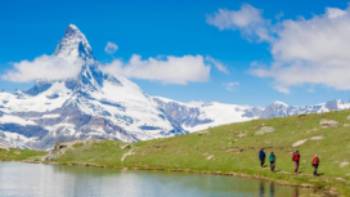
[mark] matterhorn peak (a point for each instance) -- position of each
(74, 45)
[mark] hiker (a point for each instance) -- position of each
(272, 159)
(315, 163)
(262, 157)
(296, 159)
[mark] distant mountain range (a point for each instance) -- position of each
(97, 105)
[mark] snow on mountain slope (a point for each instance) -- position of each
(222, 113)
(74, 45)
(8, 139)
(15, 119)
(281, 109)
(195, 116)
(51, 98)
(96, 105)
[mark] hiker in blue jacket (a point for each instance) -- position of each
(262, 157)
(272, 159)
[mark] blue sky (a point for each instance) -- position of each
(171, 28)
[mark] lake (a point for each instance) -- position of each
(39, 180)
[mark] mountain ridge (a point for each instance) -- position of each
(97, 105)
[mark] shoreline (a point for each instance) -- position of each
(319, 191)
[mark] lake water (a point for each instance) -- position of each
(38, 180)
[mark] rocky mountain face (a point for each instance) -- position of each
(97, 105)
(94, 105)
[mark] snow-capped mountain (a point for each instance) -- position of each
(97, 105)
(281, 109)
(195, 116)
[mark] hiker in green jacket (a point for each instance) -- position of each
(272, 159)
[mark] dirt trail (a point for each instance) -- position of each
(127, 154)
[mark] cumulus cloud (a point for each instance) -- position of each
(45, 67)
(304, 51)
(231, 86)
(111, 48)
(247, 19)
(311, 51)
(169, 69)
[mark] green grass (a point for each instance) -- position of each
(232, 149)
(20, 155)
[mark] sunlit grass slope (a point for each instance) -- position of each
(232, 149)
(20, 155)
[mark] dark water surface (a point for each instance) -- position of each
(38, 180)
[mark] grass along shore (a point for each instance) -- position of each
(232, 150)
(12, 154)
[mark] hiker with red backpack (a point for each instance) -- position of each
(296, 159)
(315, 163)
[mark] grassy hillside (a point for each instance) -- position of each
(232, 149)
(20, 155)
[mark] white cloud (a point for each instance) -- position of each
(247, 19)
(335, 12)
(218, 65)
(311, 51)
(231, 86)
(43, 68)
(304, 51)
(111, 47)
(169, 70)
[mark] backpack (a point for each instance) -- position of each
(315, 161)
(272, 158)
(296, 157)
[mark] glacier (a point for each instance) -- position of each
(97, 105)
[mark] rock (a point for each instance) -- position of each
(299, 142)
(346, 125)
(264, 130)
(234, 150)
(61, 148)
(206, 131)
(325, 123)
(344, 164)
(348, 117)
(340, 179)
(210, 157)
(240, 135)
(316, 138)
